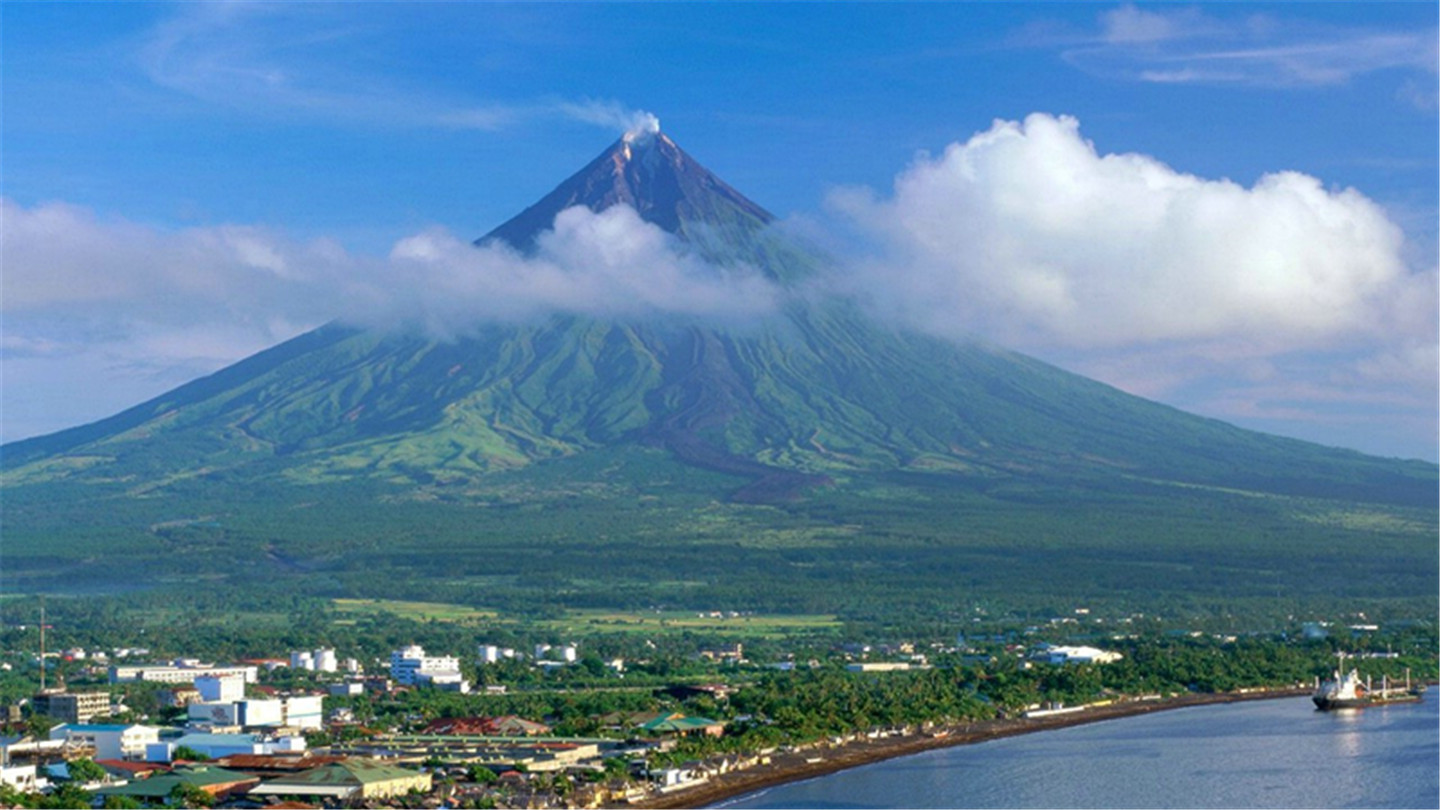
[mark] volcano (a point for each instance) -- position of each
(782, 413)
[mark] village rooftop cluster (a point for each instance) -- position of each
(244, 743)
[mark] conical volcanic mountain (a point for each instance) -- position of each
(794, 408)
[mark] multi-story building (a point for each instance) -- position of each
(71, 707)
(220, 688)
(407, 664)
(304, 711)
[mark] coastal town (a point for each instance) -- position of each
(322, 728)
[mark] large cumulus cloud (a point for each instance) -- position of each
(1028, 234)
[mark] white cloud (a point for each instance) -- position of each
(1203, 293)
(1129, 24)
(60, 257)
(1184, 45)
(609, 263)
(1027, 234)
(135, 310)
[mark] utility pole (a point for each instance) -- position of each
(42, 643)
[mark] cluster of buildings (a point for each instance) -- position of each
(239, 779)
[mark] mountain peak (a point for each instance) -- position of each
(649, 172)
(644, 130)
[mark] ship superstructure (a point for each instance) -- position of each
(1346, 691)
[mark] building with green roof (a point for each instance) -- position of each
(212, 780)
(676, 723)
(351, 779)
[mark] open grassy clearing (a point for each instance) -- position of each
(605, 621)
(679, 621)
(419, 611)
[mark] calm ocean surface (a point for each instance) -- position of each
(1270, 753)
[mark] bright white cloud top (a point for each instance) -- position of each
(1026, 233)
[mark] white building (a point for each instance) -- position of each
(164, 673)
(224, 745)
(220, 688)
(110, 741)
(489, 654)
(215, 714)
(23, 778)
(878, 666)
(261, 712)
(568, 653)
(302, 660)
(1055, 654)
(325, 660)
(407, 664)
(449, 680)
(304, 711)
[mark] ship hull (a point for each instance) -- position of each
(1326, 704)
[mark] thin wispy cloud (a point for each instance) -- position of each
(1190, 45)
(249, 58)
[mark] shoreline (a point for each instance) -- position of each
(798, 766)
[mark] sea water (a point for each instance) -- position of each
(1268, 753)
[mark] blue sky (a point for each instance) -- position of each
(154, 154)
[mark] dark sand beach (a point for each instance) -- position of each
(822, 760)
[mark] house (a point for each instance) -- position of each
(117, 741)
(348, 780)
(728, 653)
(218, 782)
(672, 778)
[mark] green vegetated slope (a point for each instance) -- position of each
(809, 460)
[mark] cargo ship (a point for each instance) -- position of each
(1346, 691)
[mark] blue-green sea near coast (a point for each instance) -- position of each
(1269, 753)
